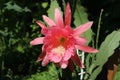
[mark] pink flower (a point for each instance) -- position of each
(61, 41)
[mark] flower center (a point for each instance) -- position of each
(62, 39)
(59, 50)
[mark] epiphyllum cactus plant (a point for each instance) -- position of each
(61, 41)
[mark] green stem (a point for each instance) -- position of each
(58, 72)
(89, 72)
(64, 4)
(74, 6)
(98, 30)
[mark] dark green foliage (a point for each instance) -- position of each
(17, 29)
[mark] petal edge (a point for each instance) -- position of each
(67, 15)
(82, 28)
(86, 48)
(58, 18)
(37, 41)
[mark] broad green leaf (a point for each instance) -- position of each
(95, 73)
(106, 50)
(54, 4)
(80, 15)
(107, 47)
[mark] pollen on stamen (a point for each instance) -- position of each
(59, 50)
(62, 39)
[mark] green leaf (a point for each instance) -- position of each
(54, 4)
(80, 15)
(107, 47)
(20, 49)
(106, 50)
(15, 7)
(95, 73)
(44, 4)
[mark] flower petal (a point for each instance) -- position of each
(41, 56)
(68, 53)
(80, 40)
(54, 57)
(44, 31)
(37, 41)
(67, 56)
(48, 21)
(45, 61)
(44, 28)
(64, 64)
(58, 18)
(77, 60)
(40, 24)
(71, 65)
(68, 15)
(82, 28)
(86, 49)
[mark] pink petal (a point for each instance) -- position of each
(68, 54)
(41, 56)
(68, 15)
(48, 20)
(86, 49)
(71, 65)
(82, 28)
(40, 24)
(37, 41)
(80, 40)
(44, 31)
(77, 60)
(45, 61)
(58, 18)
(44, 28)
(54, 57)
(64, 64)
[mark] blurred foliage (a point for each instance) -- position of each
(48, 74)
(17, 29)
